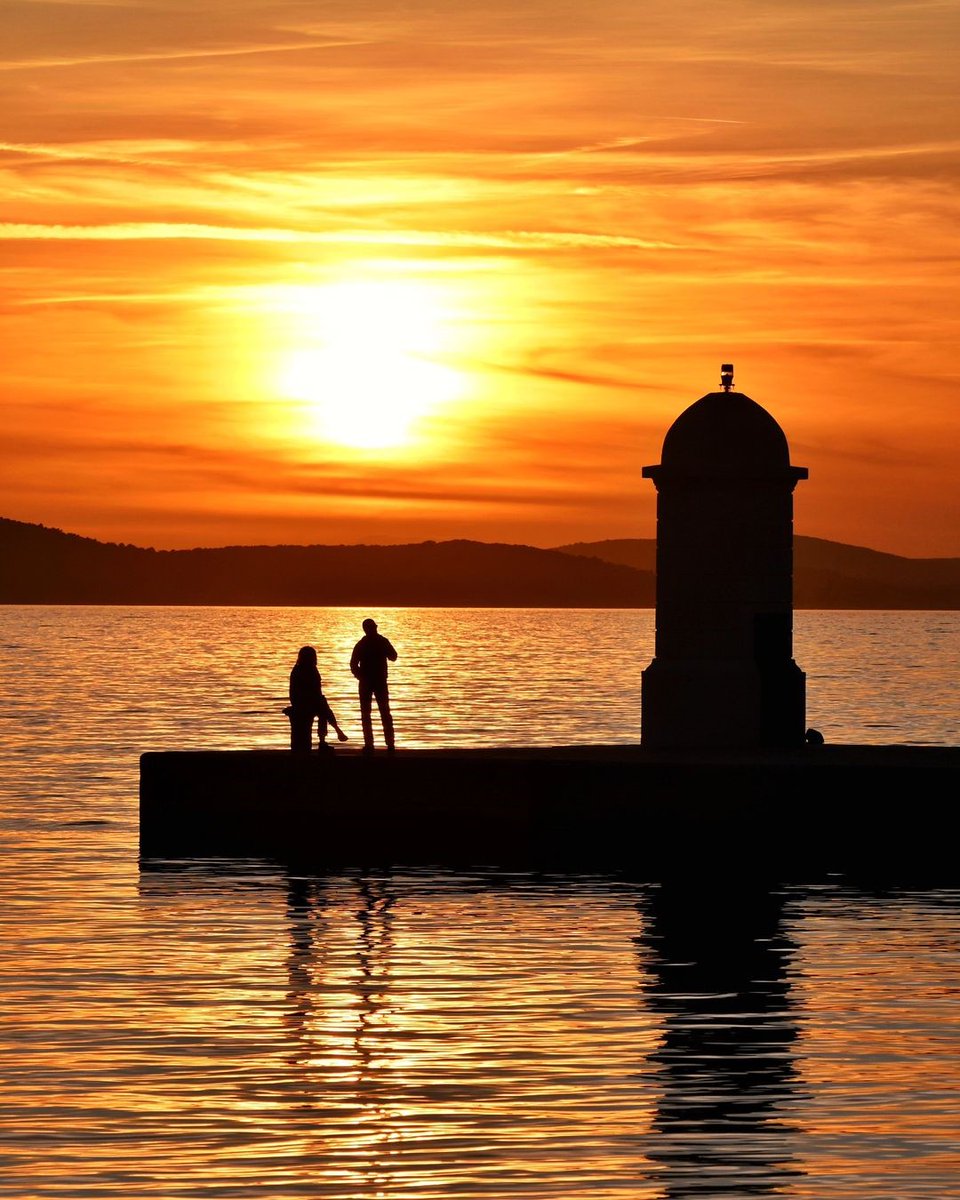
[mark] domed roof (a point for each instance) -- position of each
(725, 431)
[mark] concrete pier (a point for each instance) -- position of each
(807, 812)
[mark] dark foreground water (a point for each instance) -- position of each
(230, 1030)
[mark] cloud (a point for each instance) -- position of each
(171, 55)
(537, 370)
(863, 450)
(455, 238)
(181, 468)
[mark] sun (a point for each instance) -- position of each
(363, 359)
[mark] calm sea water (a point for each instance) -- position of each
(228, 1029)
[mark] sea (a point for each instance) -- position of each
(233, 1028)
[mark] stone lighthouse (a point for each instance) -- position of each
(723, 672)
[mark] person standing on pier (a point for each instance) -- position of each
(307, 702)
(369, 664)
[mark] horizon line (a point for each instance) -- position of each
(560, 548)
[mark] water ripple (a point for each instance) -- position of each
(225, 1028)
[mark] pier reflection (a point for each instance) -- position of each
(391, 1034)
(715, 968)
(336, 1005)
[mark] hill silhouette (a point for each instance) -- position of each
(39, 565)
(47, 566)
(826, 574)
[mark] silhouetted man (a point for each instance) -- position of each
(369, 664)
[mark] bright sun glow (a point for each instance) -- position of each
(362, 363)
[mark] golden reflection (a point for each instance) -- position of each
(338, 1012)
(431, 1060)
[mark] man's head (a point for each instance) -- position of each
(369, 625)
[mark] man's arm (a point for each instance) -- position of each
(389, 650)
(355, 661)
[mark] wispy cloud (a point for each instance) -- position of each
(458, 238)
(31, 64)
(557, 374)
(188, 468)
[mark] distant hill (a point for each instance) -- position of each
(639, 553)
(46, 566)
(826, 574)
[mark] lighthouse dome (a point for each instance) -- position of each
(725, 431)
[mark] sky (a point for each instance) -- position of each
(381, 272)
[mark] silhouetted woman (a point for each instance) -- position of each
(307, 701)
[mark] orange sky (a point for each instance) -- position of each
(308, 272)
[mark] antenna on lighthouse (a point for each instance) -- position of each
(726, 376)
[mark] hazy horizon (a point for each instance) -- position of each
(413, 541)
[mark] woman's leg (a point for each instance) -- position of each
(341, 736)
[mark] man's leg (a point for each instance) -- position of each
(366, 696)
(386, 716)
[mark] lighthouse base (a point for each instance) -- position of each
(722, 704)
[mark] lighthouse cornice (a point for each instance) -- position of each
(720, 473)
